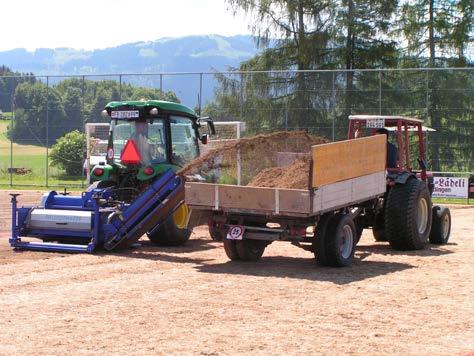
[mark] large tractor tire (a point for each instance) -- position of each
(250, 250)
(408, 215)
(441, 226)
(174, 231)
(337, 241)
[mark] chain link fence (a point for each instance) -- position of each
(37, 110)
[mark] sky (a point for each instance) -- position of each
(92, 24)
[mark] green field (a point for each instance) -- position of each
(33, 159)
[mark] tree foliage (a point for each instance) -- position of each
(68, 152)
(348, 35)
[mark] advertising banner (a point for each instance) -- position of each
(450, 187)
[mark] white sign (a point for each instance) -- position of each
(375, 123)
(235, 232)
(127, 114)
(450, 187)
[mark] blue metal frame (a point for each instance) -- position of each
(125, 226)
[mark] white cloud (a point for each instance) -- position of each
(90, 24)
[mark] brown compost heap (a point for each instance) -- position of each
(294, 176)
(258, 157)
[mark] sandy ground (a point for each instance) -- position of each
(192, 300)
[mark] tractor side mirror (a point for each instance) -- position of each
(204, 139)
(210, 124)
(212, 129)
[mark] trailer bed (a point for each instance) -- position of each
(284, 202)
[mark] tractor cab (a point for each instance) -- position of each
(404, 139)
(147, 138)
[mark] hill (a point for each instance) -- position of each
(185, 54)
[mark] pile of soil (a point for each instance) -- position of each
(294, 176)
(256, 154)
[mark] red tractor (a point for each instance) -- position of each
(404, 216)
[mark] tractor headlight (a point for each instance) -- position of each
(104, 114)
(154, 112)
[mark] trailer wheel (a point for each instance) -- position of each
(216, 234)
(341, 238)
(408, 215)
(378, 229)
(250, 250)
(441, 226)
(230, 248)
(319, 246)
(173, 232)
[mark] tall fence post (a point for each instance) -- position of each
(239, 163)
(200, 94)
(120, 87)
(333, 104)
(83, 89)
(161, 82)
(47, 130)
(12, 122)
(380, 92)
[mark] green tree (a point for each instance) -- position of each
(39, 114)
(68, 152)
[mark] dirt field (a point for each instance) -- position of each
(192, 300)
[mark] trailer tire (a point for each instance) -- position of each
(441, 225)
(341, 236)
(168, 234)
(216, 234)
(250, 250)
(408, 215)
(379, 228)
(230, 248)
(319, 246)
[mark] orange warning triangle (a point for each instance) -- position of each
(130, 153)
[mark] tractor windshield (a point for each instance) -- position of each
(148, 138)
(183, 139)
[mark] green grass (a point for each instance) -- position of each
(452, 201)
(33, 158)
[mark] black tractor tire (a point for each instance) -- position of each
(319, 245)
(250, 250)
(408, 215)
(230, 248)
(168, 234)
(379, 228)
(340, 241)
(441, 226)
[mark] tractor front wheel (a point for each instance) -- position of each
(441, 227)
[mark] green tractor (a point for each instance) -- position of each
(146, 139)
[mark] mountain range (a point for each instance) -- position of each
(192, 54)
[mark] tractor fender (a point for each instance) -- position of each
(403, 177)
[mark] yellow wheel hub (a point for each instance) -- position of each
(181, 216)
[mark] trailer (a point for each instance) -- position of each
(345, 180)
(362, 182)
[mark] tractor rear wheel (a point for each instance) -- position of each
(408, 215)
(441, 227)
(174, 231)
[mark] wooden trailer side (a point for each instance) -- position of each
(342, 160)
